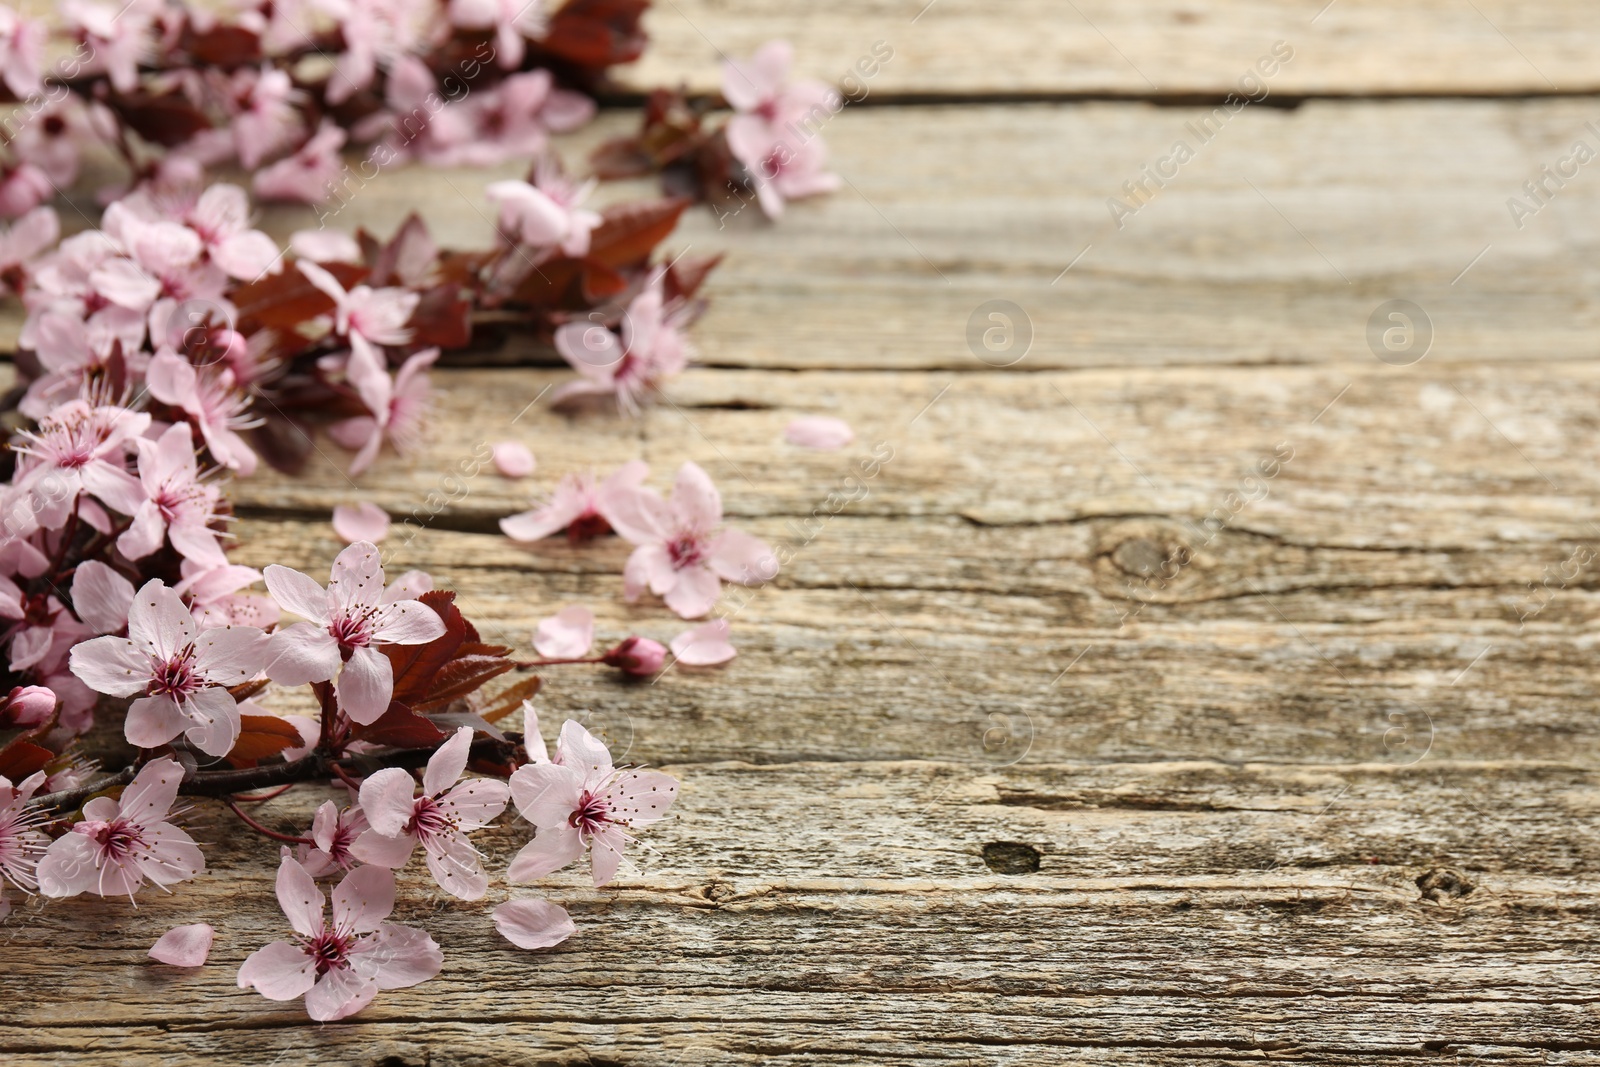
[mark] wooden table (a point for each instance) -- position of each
(1076, 736)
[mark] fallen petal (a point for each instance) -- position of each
(513, 459)
(361, 522)
(183, 946)
(533, 923)
(704, 646)
(821, 432)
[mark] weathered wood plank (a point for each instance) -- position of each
(1148, 47)
(735, 933)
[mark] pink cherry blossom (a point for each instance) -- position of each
(583, 802)
(684, 553)
(21, 840)
(782, 165)
(178, 506)
(578, 506)
(101, 597)
(77, 449)
(821, 432)
(364, 316)
(419, 124)
(533, 924)
(214, 597)
(268, 119)
(119, 38)
(333, 832)
(339, 967)
(375, 32)
(346, 624)
(55, 139)
(513, 459)
(23, 187)
(22, 42)
(638, 656)
(565, 635)
(438, 820)
(546, 214)
(365, 521)
(23, 243)
(308, 176)
(179, 671)
(651, 349)
(511, 121)
(221, 218)
(704, 646)
(213, 400)
(184, 946)
(759, 86)
(121, 844)
(512, 21)
(400, 409)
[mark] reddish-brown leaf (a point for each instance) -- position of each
(631, 231)
(21, 758)
(442, 318)
(224, 46)
(284, 300)
(597, 33)
(462, 675)
(400, 727)
(168, 120)
(510, 698)
(686, 276)
(415, 665)
(261, 736)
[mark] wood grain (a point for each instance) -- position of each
(966, 48)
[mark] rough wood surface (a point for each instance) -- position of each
(986, 784)
(1141, 48)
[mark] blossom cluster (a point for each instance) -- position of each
(173, 346)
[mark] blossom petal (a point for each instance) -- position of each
(68, 867)
(302, 653)
(695, 592)
(456, 867)
(551, 850)
(391, 852)
(605, 853)
(158, 621)
(111, 665)
(357, 579)
(546, 793)
(408, 622)
(704, 646)
(565, 635)
(513, 459)
(149, 796)
(541, 522)
(533, 923)
(339, 993)
(639, 798)
(183, 946)
(299, 594)
(408, 586)
(365, 521)
(101, 597)
(172, 856)
(300, 898)
(448, 763)
(477, 802)
(696, 504)
(582, 751)
(213, 720)
(397, 956)
(388, 798)
(229, 655)
(366, 685)
(363, 899)
(279, 971)
(638, 515)
(739, 557)
(153, 721)
(821, 432)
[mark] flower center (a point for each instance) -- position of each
(118, 839)
(685, 550)
(175, 677)
(590, 815)
(351, 631)
(330, 949)
(429, 819)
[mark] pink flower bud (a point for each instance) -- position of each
(27, 705)
(637, 655)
